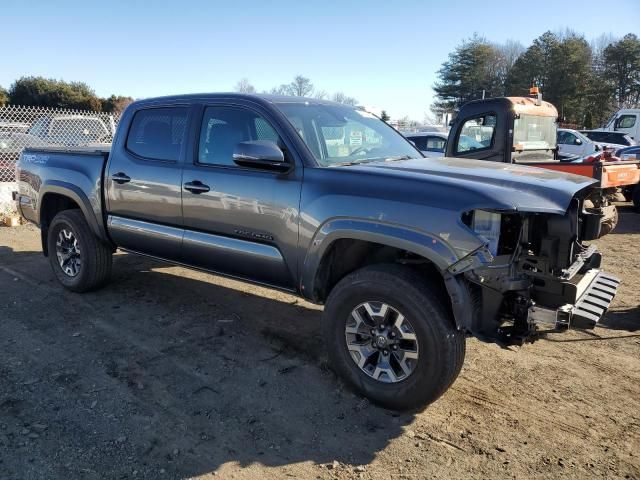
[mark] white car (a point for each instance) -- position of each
(434, 144)
(572, 143)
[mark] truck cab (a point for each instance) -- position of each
(510, 129)
(627, 121)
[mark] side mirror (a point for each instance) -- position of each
(578, 141)
(261, 154)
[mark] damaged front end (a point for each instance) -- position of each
(534, 275)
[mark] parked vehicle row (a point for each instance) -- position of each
(48, 130)
(408, 254)
(571, 143)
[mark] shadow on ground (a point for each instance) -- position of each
(165, 371)
(628, 220)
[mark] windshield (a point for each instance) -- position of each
(339, 135)
(534, 133)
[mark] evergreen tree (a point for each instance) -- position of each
(40, 91)
(472, 70)
(622, 66)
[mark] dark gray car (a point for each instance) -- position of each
(409, 255)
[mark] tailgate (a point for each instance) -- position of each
(618, 174)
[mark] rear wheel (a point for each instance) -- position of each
(78, 259)
(391, 338)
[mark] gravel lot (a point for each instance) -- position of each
(170, 373)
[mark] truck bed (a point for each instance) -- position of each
(52, 170)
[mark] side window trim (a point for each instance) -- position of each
(185, 138)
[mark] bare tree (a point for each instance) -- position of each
(281, 90)
(504, 56)
(244, 86)
(300, 87)
(340, 97)
(321, 94)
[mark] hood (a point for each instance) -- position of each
(490, 185)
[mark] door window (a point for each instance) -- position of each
(567, 138)
(476, 134)
(224, 127)
(626, 121)
(158, 133)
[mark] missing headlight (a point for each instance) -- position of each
(500, 230)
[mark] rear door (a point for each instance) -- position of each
(143, 181)
(240, 221)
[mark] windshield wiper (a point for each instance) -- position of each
(345, 164)
(371, 160)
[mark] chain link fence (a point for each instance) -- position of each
(22, 127)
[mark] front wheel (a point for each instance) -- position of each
(391, 338)
(79, 260)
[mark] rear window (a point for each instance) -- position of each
(609, 137)
(78, 130)
(419, 142)
(436, 144)
(158, 133)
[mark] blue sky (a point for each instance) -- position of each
(384, 53)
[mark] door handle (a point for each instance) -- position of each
(196, 187)
(120, 178)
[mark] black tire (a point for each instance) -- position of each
(95, 257)
(441, 345)
(636, 198)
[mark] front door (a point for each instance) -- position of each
(143, 182)
(569, 144)
(239, 221)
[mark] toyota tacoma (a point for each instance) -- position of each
(409, 255)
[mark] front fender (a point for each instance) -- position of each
(415, 241)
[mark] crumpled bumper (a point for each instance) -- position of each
(594, 294)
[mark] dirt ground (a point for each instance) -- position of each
(170, 373)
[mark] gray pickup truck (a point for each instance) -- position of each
(409, 255)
